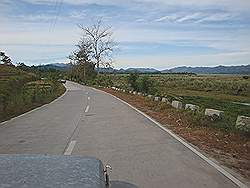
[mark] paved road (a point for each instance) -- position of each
(91, 123)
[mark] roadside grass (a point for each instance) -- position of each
(231, 110)
(207, 91)
(21, 91)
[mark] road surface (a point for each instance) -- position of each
(87, 122)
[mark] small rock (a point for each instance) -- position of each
(164, 100)
(156, 98)
(213, 112)
(191, 107)
(150, 96)
(243, 123)
(177, 104)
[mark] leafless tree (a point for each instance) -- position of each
(5, 59)
(100, 39)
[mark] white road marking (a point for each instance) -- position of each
(88, 98)
(187, 145)
(87, 109)
(70, 148)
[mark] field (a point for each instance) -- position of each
(22, 91)
(221, 92)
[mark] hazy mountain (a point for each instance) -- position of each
(57, 66)
(242, 69)
(142, 70)
(129, 70)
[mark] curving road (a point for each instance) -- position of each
(88, 122)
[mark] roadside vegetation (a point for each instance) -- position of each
(21, 91)
(221, 92)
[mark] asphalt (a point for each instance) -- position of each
(88, 122)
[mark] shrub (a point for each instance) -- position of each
(132, 80)
(144, 84)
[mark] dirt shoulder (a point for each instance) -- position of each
(229, 149)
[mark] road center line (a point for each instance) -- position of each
(88, 98)
(87, 109)
(70, 148)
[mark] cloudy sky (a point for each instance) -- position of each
(150, 33)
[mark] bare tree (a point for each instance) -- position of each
(5, 59)
(101, 43)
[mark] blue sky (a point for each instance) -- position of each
(150, 33)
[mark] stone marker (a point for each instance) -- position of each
(156, 98)
(243, 123)
(134, 92)
(139, 93)
(130, 91)
(112, 87)
(213, 112)
(191, 107)
(164, 100)
(150, 96)
(123, 90)
(177, 104)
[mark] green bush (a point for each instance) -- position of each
(132, 80)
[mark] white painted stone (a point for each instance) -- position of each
(113, 88)
(139, 93)
(150, 96)
(213, 112)
(157, 99)
(164, 100)
(177, 104)
(123, 90)
(130, 91)
(134, 92)
(243, 123)
(191, 107)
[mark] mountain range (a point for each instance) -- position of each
(241, 69)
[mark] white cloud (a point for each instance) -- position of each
(196, 17)
(171, 17)
(216, 17)
(189, 17)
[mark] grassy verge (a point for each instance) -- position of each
(21, 91)
(220, 92)
(230, 148)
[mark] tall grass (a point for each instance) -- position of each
(21, 91)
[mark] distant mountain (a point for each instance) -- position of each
(129, 70)
(107, 70)
(243, 69)
(57, 66)
(142, 70)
